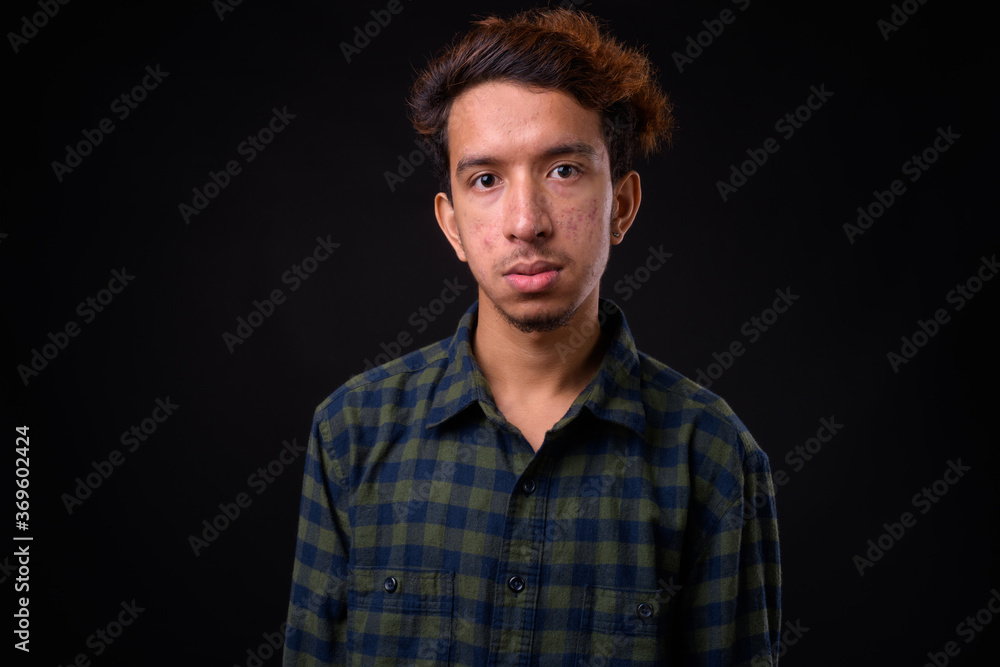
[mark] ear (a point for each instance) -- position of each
(445, 214)
(627, 195)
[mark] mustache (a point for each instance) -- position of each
(533, 255)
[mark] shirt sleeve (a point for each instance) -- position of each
(316, 630)
(731, 613)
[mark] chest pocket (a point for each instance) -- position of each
(622, 624)
(399, 617)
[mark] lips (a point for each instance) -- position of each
(532, 277)
(532, 268)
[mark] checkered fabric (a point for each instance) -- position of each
(643, 531)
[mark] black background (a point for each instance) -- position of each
(324, 176)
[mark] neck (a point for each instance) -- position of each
(549, 363)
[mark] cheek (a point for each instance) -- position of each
(479, 241)
(574, 221)
(480, 274)
(595, 217)
(589, 220)
(482, 229)
(583, 220)
(478, 236)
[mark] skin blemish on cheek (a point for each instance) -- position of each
(584, 219)
(573, 219)
(591, 222)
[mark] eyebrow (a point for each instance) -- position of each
(570, 148)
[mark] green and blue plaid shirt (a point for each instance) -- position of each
(642, 532)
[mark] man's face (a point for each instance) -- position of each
(532, 201)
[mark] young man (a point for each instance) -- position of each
(534, 490)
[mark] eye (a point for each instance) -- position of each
(565, 171)
(485, 181)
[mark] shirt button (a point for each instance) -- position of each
(390, 584)
(644, 610)
(516, 584)
(528, 486)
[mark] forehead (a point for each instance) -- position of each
(506, 118)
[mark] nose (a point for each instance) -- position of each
(527, 218)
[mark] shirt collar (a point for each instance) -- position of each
(613, 395)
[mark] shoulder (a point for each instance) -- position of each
(399, 381)
(715, 442)
(665, 390)
(352, 420)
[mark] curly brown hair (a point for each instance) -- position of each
(558, 49)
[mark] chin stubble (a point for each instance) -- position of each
(539, 323)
